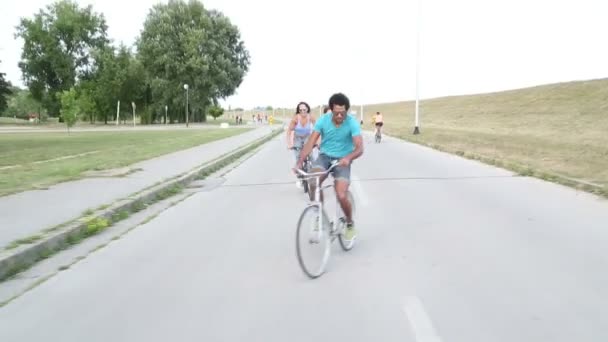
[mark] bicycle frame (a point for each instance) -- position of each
(378, 133)
(307, 164)
(323, 229)
(316, 202)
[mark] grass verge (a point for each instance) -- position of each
(35, 160)
(95, 224)
(557, 132)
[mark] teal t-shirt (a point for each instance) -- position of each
(337, 142)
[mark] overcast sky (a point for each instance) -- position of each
(309, 49)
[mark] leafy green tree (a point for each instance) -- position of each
(216, 111)
(5, 92)
(69, 107)
(21, 103)
(117, 76)
(58, 42)
(86, 104)
(184, 43)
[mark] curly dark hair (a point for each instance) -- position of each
(340, 100)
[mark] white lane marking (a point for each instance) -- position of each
(359, 193)
(420, 321)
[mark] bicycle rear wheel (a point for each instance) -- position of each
(347, 245)
(313, 247)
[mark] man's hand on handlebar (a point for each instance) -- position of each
(297, 167)
(344, 162)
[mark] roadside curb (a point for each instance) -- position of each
(15, 260)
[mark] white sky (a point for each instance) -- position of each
(309, 49)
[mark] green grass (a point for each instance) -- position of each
(123, 214)
(95, 225)
(24, 241)
(12, 121)
(555, 131)
(54, 122)
(111, 150)
(48, 123)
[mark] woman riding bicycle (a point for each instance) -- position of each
(300, 128)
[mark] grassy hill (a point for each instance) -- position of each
(557, 132)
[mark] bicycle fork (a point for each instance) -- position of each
(318, 230)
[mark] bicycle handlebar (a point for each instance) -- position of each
(318, 174)
(296, 148)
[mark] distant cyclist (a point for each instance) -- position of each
(378, 122)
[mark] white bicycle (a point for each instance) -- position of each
(314, 228)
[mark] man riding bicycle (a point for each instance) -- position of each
(340, 141)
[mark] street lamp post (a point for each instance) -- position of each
(418, 19)
(133, 105)
(362, 114)
(186, 87)
(117, 112)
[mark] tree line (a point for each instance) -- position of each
(70, 66)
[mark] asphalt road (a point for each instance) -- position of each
(449, 250)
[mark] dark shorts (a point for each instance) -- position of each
(323, 162)
(379, 124)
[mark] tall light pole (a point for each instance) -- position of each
(186, 87)
(417, 126)
(362, 114)
(117, 112)
(133, 105)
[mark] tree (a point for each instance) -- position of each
(216, 111)
(69, 107)
(134, 86)
(104, 82)
(86, 104)
(5, 92)
(116, 76)
(21, 103)
(57, 49)
(183, 43)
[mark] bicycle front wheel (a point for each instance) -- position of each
(313, 245)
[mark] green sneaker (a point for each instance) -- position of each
(350, 233)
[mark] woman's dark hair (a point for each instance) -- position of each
(340, 100)
(302, 103)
